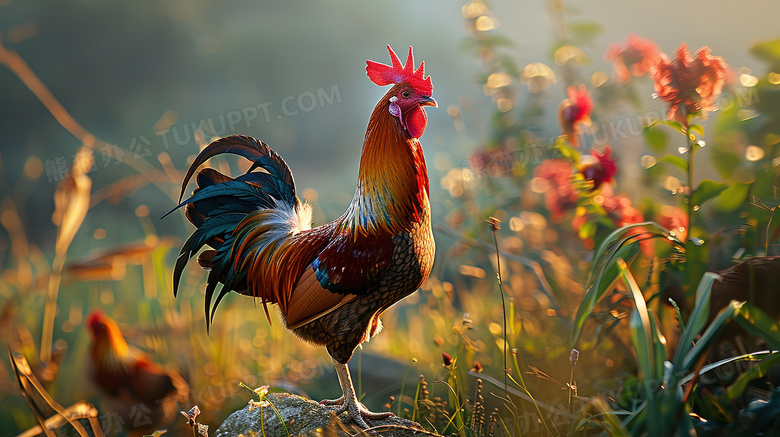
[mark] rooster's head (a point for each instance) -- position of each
(97, 322)
(105, 330)
(410, 94)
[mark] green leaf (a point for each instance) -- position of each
(636, 419)
(607, 278)
(641, 330)
(659, 349)
(758, 323)
(732, 197)
(736, 389)
(751, 357)
(696, 129)
(676, 125)
(621, 236)
(709, 335)
(643, 336)
(698, 318)
(676, 161)
(587, 230)
(567, 151)
(621, 243)
(656, 139)
(768, 51)
(706, 190)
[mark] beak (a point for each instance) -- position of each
(428, 101)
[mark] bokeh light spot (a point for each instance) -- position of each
(754, 153)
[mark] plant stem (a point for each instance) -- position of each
(416, 397)
(494, 227)
(691, 152)
(50, 310)
(403, 386)
(571, 388)
(768, 225)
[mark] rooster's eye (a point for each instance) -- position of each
(406, 94)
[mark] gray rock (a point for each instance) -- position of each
(307, 418)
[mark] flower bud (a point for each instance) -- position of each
(574, 356)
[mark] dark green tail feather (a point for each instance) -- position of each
(221, 203)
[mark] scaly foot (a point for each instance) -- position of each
(357, 412)
(349, 403)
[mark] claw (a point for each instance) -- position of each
(330, 402)
(349, 403)
(371, 415)
(357, 412)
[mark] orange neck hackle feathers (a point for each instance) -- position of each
(392, 188)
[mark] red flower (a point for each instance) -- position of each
(690, 85)
(574, 112)
(675, 220)
(621, 211)
(637, 57)
(559, 193)
(600, 168)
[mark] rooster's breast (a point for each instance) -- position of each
(342, 330)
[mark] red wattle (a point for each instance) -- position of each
(416, 122)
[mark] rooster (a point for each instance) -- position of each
(331, 282)
(140, 391)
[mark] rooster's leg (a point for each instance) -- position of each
(349, 402)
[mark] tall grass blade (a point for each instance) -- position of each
(688, 360)
(758, 323)
(698, 317)
(623, 244)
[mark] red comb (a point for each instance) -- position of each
(94, 318)
(382, 74)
